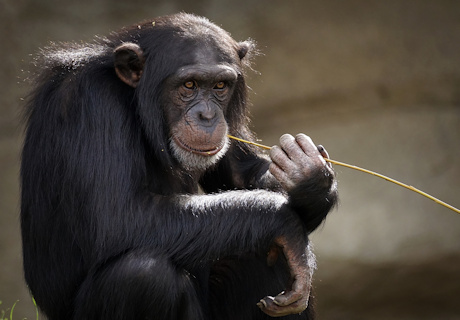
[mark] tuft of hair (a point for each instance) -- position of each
(68, 54)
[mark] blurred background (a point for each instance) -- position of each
(376, 82)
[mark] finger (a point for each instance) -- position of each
(280, 158)
(281, 176)
(309, 147)
(268, 306)
(324, 153)
(291, 147)
(287, 298)
(277, 172)
(306, 144)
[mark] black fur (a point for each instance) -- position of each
(113, 227)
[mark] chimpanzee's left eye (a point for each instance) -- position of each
(220, 85)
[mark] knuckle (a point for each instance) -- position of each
(302, 136)
(305, 141)
(275, 153)
(286, 139)
(290, 146)
(286, 136)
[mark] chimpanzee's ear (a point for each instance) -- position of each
(244, 48)
(129, 63)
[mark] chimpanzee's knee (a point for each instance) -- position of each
(138, 285)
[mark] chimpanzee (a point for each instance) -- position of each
(136, 205)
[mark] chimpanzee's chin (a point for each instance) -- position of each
(198, 160)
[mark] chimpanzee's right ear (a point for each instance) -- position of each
(245, 48)
(129, 63)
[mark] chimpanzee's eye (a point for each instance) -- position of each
(190, 84)
(220, 85)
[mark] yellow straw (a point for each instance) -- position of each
(366, 171)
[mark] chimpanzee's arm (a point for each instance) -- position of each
(312, 187)
(207, 227)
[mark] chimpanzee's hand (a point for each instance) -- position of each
(297, 160)
(301, 262)
(300, 168)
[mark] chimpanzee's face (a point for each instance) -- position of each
(196, 100)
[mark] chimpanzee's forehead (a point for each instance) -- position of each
(206, 54)
(211, 52)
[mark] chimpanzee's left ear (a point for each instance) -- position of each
(245, 47)
(129, 63)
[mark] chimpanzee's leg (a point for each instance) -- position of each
(237, 284)
(138, 285)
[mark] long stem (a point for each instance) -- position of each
(366, 171)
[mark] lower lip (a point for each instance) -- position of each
(206, 153)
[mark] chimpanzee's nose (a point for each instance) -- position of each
(205, 114)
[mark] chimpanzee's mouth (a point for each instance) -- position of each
(204, 152)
